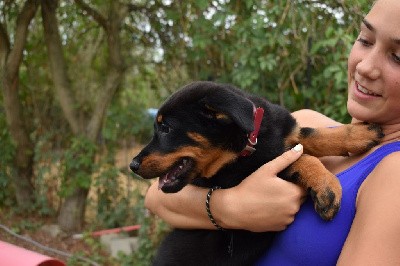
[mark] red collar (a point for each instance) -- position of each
(252, 137)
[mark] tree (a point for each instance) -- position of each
(73, 208)
(293, 52)
(11, 55)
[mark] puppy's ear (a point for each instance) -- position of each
(225, 104)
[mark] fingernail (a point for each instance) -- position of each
(297, 148)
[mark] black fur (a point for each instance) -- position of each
(183, 112)
(197, 108)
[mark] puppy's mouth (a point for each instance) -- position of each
(177, 177)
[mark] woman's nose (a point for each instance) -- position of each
(369, 66)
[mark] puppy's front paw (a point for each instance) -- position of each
(327, 199)
(363, 136)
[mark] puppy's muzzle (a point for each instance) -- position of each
(135, 164)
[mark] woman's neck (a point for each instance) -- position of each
(392, 133)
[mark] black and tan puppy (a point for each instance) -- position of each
(213, 134)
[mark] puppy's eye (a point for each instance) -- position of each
(164, 128)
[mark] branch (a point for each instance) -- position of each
(137, 32)
(93, 13)
(136, 8)
(4, 46)
(58, 66)
(114, 79)
(24, 18)
(144, 8)
(115, 72)
(112, 27)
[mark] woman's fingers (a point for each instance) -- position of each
(281, 162)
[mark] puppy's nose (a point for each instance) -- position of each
(135, 164)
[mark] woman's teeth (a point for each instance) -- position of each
(365, 91)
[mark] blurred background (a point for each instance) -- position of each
(81, 80)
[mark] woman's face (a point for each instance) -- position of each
(374, 66)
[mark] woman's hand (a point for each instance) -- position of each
(262, 202)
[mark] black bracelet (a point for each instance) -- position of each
(208, 208)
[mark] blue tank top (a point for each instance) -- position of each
(309, 240)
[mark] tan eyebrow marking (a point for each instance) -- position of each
(159, 118)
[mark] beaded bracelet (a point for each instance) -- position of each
(208, 208)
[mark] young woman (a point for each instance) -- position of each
(367, 228)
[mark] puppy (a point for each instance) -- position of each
(211, 134)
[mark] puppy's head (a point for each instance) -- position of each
(197, 131)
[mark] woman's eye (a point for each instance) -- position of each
(396, 58)
(364, 42)
(164, 128)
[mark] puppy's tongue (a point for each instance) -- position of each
(162, 181)
(166, 179)
(171, 176)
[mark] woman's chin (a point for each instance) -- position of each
(359, 112)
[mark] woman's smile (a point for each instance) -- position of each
(364, 90)
(363, 93)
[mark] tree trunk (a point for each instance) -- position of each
(23, 161)
(58, 66)
(72, 211)
(10, 61)
(71, 216)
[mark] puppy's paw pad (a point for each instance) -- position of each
(326, 202)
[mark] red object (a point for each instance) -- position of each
(11, 255)
(110, 231)
(252, 138)
(116, 230)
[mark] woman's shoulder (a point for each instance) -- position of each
(376, 226)
(311, 118)
(387, 169)
(383, 183)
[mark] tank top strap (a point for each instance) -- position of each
(369, 162)
(355, 175)
(386, 149)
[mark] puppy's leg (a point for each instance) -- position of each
(342, 140)
(324, 187)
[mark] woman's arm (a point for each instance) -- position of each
(374, 235)
(310, 118)
(262, 202)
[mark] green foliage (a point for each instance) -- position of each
(292, 52)
(150, 235)
(77, 165)
(127, 123)
(81, 258)
(47, 161)
(113, 207)
(25, 225)
(127, 118)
